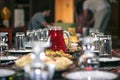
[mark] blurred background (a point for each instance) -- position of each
(63, 10)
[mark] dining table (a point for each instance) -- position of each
(113, 67)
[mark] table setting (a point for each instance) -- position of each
(54, 55)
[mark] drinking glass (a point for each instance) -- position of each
(35, 35)
(88, 60)
(42, 34)
(96, 36)
(4, 37)
(29, 38)
(20, 41)
(105, 46)
(88, 43)
(85, 31)
(38, 69)
(96, 43)
(3, 43)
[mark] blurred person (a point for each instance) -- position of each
(101, 10)
(38, 20)
(79, 17)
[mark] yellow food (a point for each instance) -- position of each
(51, 53)
(61, 62)
(72, 31)
(73, 39)
(21, 62)
(74, 48)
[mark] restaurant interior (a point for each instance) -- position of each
(60, 10)
(19, 13)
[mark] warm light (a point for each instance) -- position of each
(64, 10)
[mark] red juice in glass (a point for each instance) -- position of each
(57, 39)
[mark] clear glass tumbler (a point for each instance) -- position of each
(105, 46)
(20, 41)
(3, 43)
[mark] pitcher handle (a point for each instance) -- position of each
(68, 36)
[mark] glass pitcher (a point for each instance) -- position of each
(57, 38)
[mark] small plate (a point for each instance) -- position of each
(113, 59)
(28, 44)
(6, 72)
(20, 51)
(8, 58)
(90, 75)
(95, 51)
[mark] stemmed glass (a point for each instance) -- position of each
(38, 69)
(88, 60)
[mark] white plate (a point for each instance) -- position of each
(90, 75)
(28, 44)
(20, 51)
(109, 59)
(6, 72)
(95, 51)
(8, 58)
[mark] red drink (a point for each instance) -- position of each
(57, 40)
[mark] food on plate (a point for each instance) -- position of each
(73, 39)
(51, 53)
(22, 61)
(61, 63)
(61, 60)
(74, 49)
(72, 31)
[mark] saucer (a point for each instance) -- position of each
(89, 75)
(6, 72)
(20, 51)
(8, 58)
(113, 59)
(105, 62)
